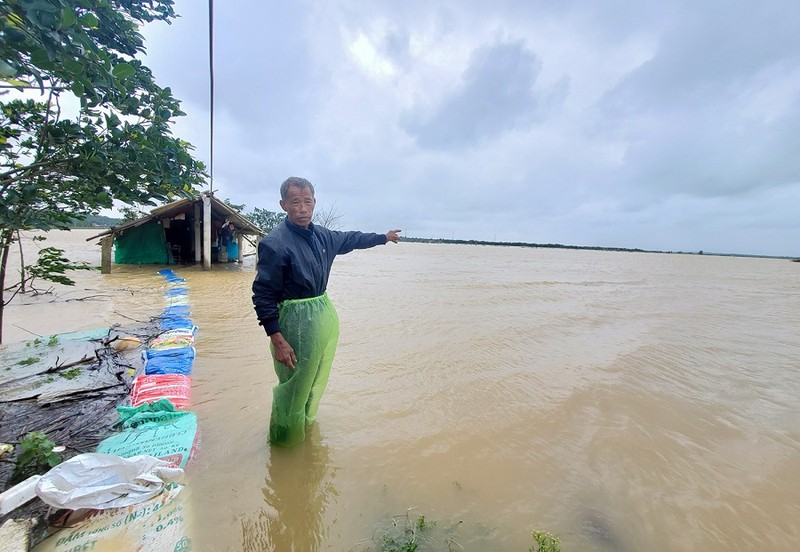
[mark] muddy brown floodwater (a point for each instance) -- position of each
(622, 401)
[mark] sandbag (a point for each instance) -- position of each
(156, 525)
(170, 276)
(155, 429)
(178, 360)
(170, 322)
(171, 342)
(176, 388)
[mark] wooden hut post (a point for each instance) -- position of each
(198, 237)
(206, 232)
(105, 253)
(240, 241)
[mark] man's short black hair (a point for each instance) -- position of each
(296, 181)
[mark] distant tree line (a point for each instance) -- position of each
(524, 244)
(585, 247)
(97, 221)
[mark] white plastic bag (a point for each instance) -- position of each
(101, 481)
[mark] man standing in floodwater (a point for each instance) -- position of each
(294, 263)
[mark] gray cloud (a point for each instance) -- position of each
(660, 125)
(696, 116)
(495, 95)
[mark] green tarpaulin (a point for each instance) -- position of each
(143, 244)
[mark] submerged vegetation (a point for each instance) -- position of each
(405, 536)
(545, 542)
(71, 374)
(36, 456)
(52, 342)
(407, 533)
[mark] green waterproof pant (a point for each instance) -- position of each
(311, 326)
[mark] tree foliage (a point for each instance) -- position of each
(329, 217)
(131, 212)
(264, 219)
(56, 166)
(53, 266)
(267, 220)
(236, 206)
(53, 168)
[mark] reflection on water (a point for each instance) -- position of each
(295, 499)
(622, 401)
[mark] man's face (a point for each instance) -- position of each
(299, 205)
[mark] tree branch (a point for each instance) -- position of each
(58, 366)
(8, 180)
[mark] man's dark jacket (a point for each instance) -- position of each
(295, 263)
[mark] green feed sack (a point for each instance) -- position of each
(156, 429)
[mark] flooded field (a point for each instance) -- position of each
(622, 401)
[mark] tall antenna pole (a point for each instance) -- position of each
(211, 84)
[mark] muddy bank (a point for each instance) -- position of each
(68, 387)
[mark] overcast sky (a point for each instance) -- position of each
(666, 125)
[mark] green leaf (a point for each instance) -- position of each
(41, 5)
(15, 21)
(14, 35)
(89, 20)
(77, 89)
(40, 59)
(6, 70)
(86, 83)
(112, 121)
(68, 18)
(16, 82)
(73, 66)
(123, 70)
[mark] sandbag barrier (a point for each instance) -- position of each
(169, 356)
(157, 423)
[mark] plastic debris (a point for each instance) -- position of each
(21, 493)
(101, 481)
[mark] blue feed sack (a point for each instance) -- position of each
(170, 276)
(176, 352)
(177, 310)
(176, 291)
(173, 322)
(178, 360)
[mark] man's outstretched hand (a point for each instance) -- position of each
(393, 236)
